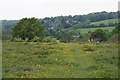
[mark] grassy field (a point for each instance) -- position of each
(86, 30)
(59, 60)
(106, 22)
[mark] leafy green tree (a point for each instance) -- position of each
(116, 33)
(28, 28)
(116, 30)
(66, 36)
(59, 35)
(99, 33)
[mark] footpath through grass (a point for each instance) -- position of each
(60, 60)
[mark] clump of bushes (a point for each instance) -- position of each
(17, 39)
(36, 39)
(49, 39)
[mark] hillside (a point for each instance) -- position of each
(68, 25)
(89, 30)
(106, 22)
(81, 21)
(77, 21)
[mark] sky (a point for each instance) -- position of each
(18, 9)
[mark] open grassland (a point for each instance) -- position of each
(105, 22)
(60, 60)
(86, 30)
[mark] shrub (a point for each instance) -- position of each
(18, 39)
(36, 39)
(49, 39)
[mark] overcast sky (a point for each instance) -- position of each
(18, 9)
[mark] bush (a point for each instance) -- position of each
(49, 39)
(36, 39)
(17, 39)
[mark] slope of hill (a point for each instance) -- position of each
(89, 30)
(61, 25)
(106, 22)
(77, 21)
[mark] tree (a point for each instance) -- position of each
(99, 33)
(116, 30)
(64, 24)
(28, 28)
(66, 36)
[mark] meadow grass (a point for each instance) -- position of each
(59, 60)
(106, 22)
(86, 30)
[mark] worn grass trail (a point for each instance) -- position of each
(81, 59)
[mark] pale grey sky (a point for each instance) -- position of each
(18, 9)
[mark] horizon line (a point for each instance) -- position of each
(60, 15)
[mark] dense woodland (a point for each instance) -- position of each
(65, 28)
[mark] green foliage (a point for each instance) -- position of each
(49, 39)
(77, 21)
(99, 33)
(115, 34)
(116, 30)
(36, 39)
(28, 28)
(60, 26)
(18, 39)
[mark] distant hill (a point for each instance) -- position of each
(7, 24)
(81, 21)
(109, 22)
(90, 30)
(92, 20)
(70, 25)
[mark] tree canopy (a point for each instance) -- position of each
(28, 28)
(99, 33)
(116, 30)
